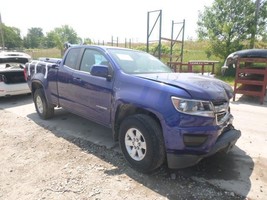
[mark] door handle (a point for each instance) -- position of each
(77, 79)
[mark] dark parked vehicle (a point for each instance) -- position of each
(229, 65)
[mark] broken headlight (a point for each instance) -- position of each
(193, 107)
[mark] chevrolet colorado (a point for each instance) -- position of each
(156, 115)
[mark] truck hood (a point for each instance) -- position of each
(198, 86)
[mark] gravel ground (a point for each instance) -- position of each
(37, 163)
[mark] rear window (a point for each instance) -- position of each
(14, 60)
(72, 57)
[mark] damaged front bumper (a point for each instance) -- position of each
(225, 142)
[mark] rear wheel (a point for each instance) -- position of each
(141, 142)
(44, 110)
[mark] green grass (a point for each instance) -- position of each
(193, 50)
(48, 53)
(228, 79)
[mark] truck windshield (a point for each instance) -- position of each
(138, 62)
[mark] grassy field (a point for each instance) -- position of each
(228, 79)
(49, 53)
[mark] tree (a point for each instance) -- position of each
(87, 41)
(59, 36)
(12, 37)
(50, 40)
(229, 24)
(34, 38)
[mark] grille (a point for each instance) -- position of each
(221, 111)
(220, 116)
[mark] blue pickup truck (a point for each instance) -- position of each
(156, 115)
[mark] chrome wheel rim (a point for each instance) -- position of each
(135, 144)
(39, 104)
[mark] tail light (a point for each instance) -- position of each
(2, 78)
(25, 73)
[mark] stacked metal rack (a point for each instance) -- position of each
(251, 77)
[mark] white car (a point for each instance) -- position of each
(12, 81)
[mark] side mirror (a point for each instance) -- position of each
(101, 71)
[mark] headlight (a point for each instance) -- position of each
(193, 107)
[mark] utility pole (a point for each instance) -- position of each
(2, 33)
(254, 31)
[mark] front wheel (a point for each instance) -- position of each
(141, 142)
(44, 110)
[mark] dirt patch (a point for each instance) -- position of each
(37, 164)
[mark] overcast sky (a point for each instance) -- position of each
(101, 19)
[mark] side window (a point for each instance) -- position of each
(72, 58)
(90, 58)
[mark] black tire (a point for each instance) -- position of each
(44, 110)
(141, 142)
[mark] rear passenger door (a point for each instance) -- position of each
(66, 95)
(94, 94)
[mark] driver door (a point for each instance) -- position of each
(93, 94)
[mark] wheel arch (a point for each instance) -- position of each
(126, 110)
(39, 84)
(36, 85)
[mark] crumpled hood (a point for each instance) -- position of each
(198, 86)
